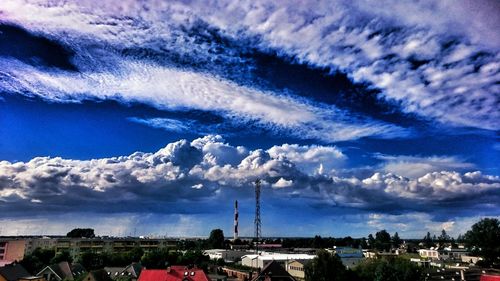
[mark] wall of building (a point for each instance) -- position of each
(296, 269)
(12, 250)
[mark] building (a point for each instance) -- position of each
(227, 255)
(240, 275)
(57, 272)
(296, 268)
(133, 271)
(97, 275)
(11, 250)
(264, 258)
(16, 272)
(429, 253)
(470, 259)
(174, 273)
(273, 271)
(450, 253)
(350, 257)
(14, 249)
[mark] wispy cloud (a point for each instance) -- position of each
(417, 166)
(171, 88)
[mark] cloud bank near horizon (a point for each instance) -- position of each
(208, 172)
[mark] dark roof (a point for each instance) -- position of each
(77, 269)
(62, 270)
(14, 271)
(135, 269)
(275, 271)
(100, 275)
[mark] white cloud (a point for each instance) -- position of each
(170, 88)
(416, 166)
(209, 169)
(281, 183)
(454, 84)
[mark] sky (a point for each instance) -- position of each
(152, 117)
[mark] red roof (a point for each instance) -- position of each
(173, 273)
(485, 277)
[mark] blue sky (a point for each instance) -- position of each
(153, 117)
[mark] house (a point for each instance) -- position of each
(429, 253)
(296, 268)
(97, 275)
(264, 258)
(77, 270)
(57, 272)
(273, 272)
(15, 272)
(174, 273)
(350, 257)
(227, 255)
(132, 271)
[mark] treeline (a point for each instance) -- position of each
(329, 267)
(156, 259)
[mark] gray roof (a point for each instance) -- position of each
(12, 272)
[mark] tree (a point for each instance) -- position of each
(325, 267)
(216, 239)
(62, 256)
(317, 242)
(136, 254)
(484, 240)
(157, 259)
(371, 241)
(427, 240)
(37, 260)
(397, 269)
(81, 232)
(443, 238)
(396, 241)
(383, 240)
(364, 244)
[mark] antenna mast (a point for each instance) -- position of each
(257, 222)
(235, 220)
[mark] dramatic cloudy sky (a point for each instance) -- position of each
(151, 117)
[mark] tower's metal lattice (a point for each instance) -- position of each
(257, 222)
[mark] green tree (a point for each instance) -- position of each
(397, 269)
(484, 240)
(216, 239)
(383, 240)
(428, 240)
(81, 232)
(444, 237)
(325, 267)
(371, 241)
(363, 243)
(62, 256)
(157, 259)
(396, 241)
(37, 260)
(318, 242)
(136, 254)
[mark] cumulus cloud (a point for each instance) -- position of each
(209, 170)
